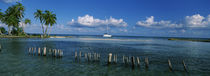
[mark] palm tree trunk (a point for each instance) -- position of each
(49, 31)
(0, 32)
(22, 25)
(42, 28)
(9, 30)
(45, 34)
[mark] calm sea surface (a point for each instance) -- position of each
(15, 60)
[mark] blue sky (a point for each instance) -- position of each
(177, 18)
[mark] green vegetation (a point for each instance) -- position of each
(13, 17)
(2, 30)
(186, 39)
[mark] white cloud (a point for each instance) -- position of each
(11, 1)
(197, 21)
(150, 22)
(90, 21)
(123, 30)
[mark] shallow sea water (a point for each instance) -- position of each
(15, 60)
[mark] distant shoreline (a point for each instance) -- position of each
(194, 40)
(30, 36)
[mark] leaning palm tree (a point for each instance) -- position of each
(50, 19)
(39, 15)
(26, 21)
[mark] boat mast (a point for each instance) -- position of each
(107, 28)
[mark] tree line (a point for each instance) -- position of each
(13, 17)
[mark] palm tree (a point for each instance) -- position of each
(10, 21)
(10, 18)
(39, 15)
(1, 15)
(26, 21)
(50, 19)
(19, 8)
(1, 18)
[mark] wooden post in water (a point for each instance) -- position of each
(115, 58)
(44, 51)
(61, 53)
(109, 58)
(55, 52)
(133, 62)
(32, 50)
(123, 59)
(75, 56)
(185, 67)
(49, 52)
(39, 51)
(98, 57)
(138, 61)
(86, 56)
(89, 57)
(29, 50)
(0, 48)
(127, 60)
(35, 51)
(80, 54)
(146, 62)
(170, 65)
(58, 53)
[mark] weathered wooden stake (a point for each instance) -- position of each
(61, 53)
(86, 56)
(109, 58)
(115, 58)
(32, 51)
(138, 61)
(133, 62)
(29, 51)
(49, 52)
(44, 51)
(123, 59)
(39, 51)
(0, 47)
(58, 53)
(146, 62)
(170, 65)
(55, 52)
(127, 60)
(76, 55)
(99, 55)
(90, 56)
(80, 54)
(185, 67)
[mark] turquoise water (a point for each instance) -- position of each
(15, 61)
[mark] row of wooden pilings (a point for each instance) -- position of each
(43, 52)
(112, 58)
(88, 56)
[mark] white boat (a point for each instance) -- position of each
(107, 34)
